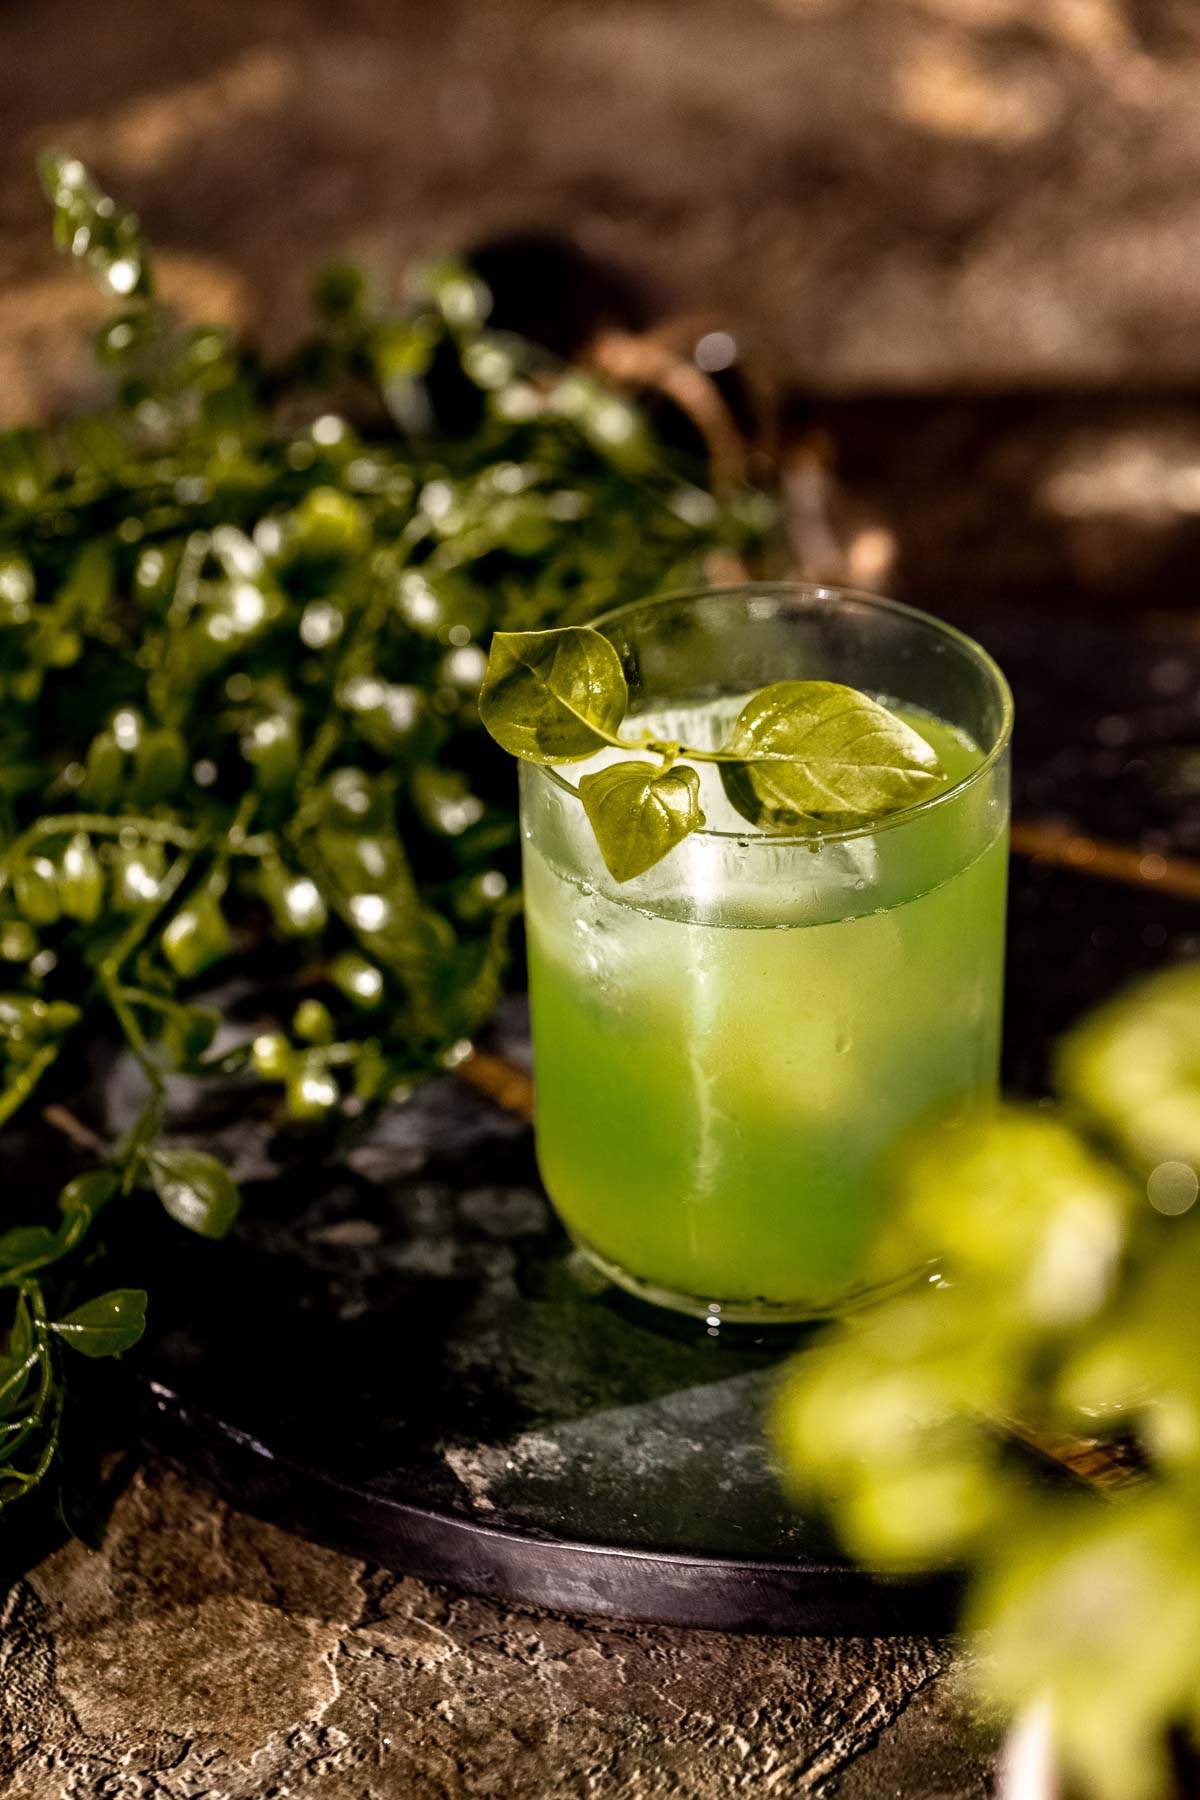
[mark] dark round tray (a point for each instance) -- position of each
(401, 1356)
(398, 1355)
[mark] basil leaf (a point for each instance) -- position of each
(639, 812)
(106, 1325)
(196, 937)
(80, 880)
(188, 1031)
(91, 228)
(26, 1244)
(84, 1195)
(553, 696)
(21, 1334)
(195, 1189)
(26, 473)
(79, 1202)
(834, 755)
(19, 1361)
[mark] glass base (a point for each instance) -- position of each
(716, 1313)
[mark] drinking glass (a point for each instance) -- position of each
(728, 1046)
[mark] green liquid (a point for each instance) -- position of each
(717, 1094)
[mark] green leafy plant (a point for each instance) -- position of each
(1069, 1264)
(801, 755)
(243, 616)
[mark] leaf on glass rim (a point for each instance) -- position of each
(106, 1325)
(195, 1189)
(639, 812)
(830, 753)
(553, 696)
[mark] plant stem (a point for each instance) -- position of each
(22, 1086)
(162, 831)
(32, 1294)
(145, 1128)
(233, 843)
(29, 1479)
(127, 1020)
(81, 1135)
(15, 1380)
(671, 751)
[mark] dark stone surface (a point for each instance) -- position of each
(1106, 747)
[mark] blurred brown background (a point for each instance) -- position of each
(961, 237)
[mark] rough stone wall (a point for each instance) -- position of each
(203, 1655)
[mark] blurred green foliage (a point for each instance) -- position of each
(1066, 1297)
(244, 614)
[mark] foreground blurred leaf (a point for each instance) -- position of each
(1013, 1201)
(1134, 1067)
(1064, 1298)
(1095, 1612)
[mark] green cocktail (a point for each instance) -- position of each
(727, 1046)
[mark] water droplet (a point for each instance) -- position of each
(1172, 1188)
(842, 1042)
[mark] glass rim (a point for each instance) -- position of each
(820, 590)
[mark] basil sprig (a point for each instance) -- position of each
(801, 756)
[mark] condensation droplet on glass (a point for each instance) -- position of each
(1172, 1188)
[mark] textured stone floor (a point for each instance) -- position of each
(203, 1655)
